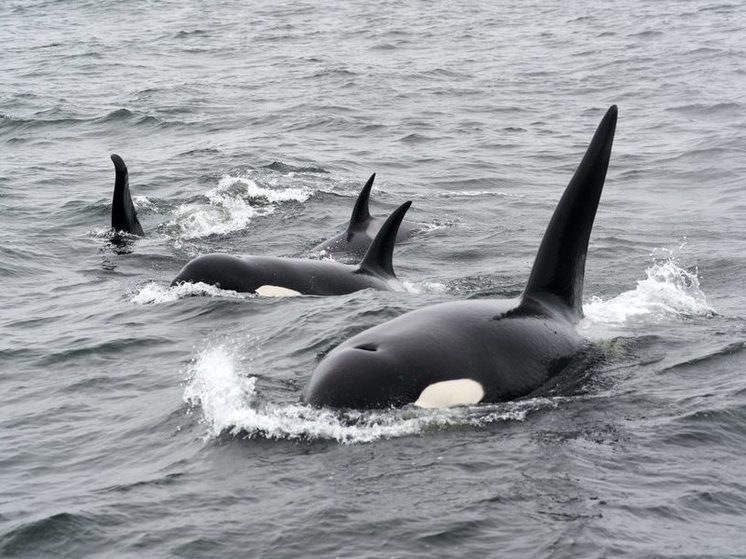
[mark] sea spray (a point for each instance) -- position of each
(669, 292)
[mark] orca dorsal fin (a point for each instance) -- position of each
(123, 214)
(378, 259)
(361, 213)
(559, 268)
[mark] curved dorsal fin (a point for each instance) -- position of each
(559, 268)
(378, 259)
(123, 214)
(361, 213)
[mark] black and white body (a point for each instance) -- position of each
(474, 351)
(123, 214)
(362, 229)
(273, 276)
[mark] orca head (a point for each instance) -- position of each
(221, 270)
(360, 376)
(192, 272)
(373, 375)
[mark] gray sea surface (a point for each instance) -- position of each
(140, 420)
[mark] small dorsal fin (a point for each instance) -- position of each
(559, 268)
(361, 213)
(123, 214)
(378, 259)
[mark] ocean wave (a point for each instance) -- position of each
(133, 117)
(13, 123)
(42, 119)
(49, 535)
(702, 109)
(231, 405)
(668, 292)
(281, 167)
(728, 350)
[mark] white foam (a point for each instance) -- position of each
(668, 292)
(276, 194)
(109, 233)
(143, 203)
(153, 293)
(101, 233)
(423, 287)
(429, 227)
(221, 217)
(231, 404)
(232, 206)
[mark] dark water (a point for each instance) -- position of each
(144, 421)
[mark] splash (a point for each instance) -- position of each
(668, 292)
(253, 191)
(231, 404)
(102, 233)
(153, 293)
(232, 206)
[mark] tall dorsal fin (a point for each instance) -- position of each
(559, 268)
(361, 213)
(123, 214)
(378, 259)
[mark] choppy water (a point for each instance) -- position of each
(140, 420)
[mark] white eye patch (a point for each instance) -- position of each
(276, 291)
(449, 393)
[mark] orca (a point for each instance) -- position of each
(123, 213)
(474, 351)
(273, 276)
(362, 229)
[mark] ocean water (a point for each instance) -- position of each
(140, 420)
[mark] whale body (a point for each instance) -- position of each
(468, 352)
(273, 276)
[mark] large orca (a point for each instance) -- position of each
(467, 352)
(362, 228)
(123, 214)
(272, 276)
